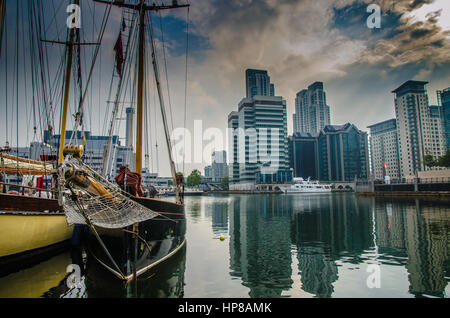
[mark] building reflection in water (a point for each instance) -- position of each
(418, 231)
(282, 245)
(260, 245)
(328, 230)
(220, 217)
(333, 227)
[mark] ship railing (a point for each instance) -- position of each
(26, 190)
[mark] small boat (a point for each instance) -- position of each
(306, 186)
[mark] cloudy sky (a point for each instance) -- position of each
(298, 42)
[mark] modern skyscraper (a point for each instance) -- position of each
(343, 153)
(303, 154)
(301, 112)
(415, 130)
(444, 101)
(258, 83)
(258, 143)
(384, 149)
(311, 110)
(219, 167)
(208, 171)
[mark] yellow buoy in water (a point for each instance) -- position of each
(222, 238)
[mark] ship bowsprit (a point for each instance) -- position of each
(106, 212)
(94, 201)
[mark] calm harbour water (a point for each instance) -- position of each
(321, 245)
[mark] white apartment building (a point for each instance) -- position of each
(415, 127)
(384, 150)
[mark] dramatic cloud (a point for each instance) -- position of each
(298, 42)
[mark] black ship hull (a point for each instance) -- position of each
(136, 249)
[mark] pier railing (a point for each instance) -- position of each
(433, 180)
(436, 184)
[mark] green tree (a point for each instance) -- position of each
(428, 160)
(444, 161)
(225, 183)
(194, 179)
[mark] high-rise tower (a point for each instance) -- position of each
(416, 133)
(258, 83)
(311, 110)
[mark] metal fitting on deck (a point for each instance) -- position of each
(74, 150)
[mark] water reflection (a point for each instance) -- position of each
(260, 244)
(166, 280)
(49, 279)
(35, 281)
(219, 218)
(278, 246)
(330, 231)
(418, 231)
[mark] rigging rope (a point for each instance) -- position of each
(169, 142)
(186, 87)
(121, 91)
(24, 68)
(17, 81)
(165, 68)
(99, 41)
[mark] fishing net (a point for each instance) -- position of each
(111, 210)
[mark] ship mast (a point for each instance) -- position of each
(143, 8)
(70, 45)
(140, 92)
(2, 13)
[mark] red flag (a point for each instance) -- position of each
(118, 48)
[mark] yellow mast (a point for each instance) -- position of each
(141, 66)
(62, 140)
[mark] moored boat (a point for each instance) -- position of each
(156, 240)
(128, 232)
(306, 186)
(32, 222)
(28, 230)
(30, 219)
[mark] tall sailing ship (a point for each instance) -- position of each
(128, 232)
